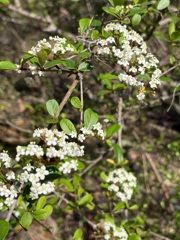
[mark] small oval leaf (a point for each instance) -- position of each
(112, 129)
(86, 199)
(4, 226)
(6, 65)
(136, 19)
(26, 220)
(162, 4)
(78, 234)
(41, 202)
(75, 101)
(67, 126)
(52, 107)
(40, 214)
(90, 118)
(49, 209)
(83, 24)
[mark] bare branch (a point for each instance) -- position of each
(66, 97)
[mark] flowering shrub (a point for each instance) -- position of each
(55, 161)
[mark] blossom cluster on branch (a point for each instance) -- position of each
(121, 183)
(130, 52)
(53, 147)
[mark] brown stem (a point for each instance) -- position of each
(82, 99)
(120, 102)
(66, 97)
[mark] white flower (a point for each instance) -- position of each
(1, 205)
(121, 183)
(10, 175)
(81, 137)
(67, 167)
(5, 159)
(41, 172)
(28, 167)
(23, 177)
(114, 232)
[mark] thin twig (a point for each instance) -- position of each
(156, 172)
(92, 165)
(120, 102)
(66, 97)
(174, 92)
(15, 127)
(169, 70)
(82, 97)
(159, 236)
(13, 205)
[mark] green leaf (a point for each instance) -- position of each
(6, 65)
(52, 63)
(161, 36)
(52, 121)
(118, 152)
(40, 214)
(86, 199)
(133, 236)
(90, 118)
(78, 234)
(118, 2)
(83, 66)
(166, 79)
(52, 107)
(76, 180)
(83, 55)
(96, 23)
(103, 176)
(67, 126)
(175, 36)
(94, 34)
(112, 129)
(4, 229)
(80, 166)
(49, 209)
(41, 202)
(69, 63)
(172, 28)
(26, 220)
(83, 24)
(136, 19)
(162, 4)
(75, 101)
(4, 1)
(67, 184)
(119, 206)
(110, 11)
(134, 207)
(137, 11)
(42, 56)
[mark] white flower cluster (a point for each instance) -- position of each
(9, 194)
(5, 160)
(114, 232)
(122, 183)
(130, 52)
(34, 176)
(58, 144)
(67, 167)
(55, 145)
(57, 45)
